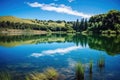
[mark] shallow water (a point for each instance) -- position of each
(23, 54)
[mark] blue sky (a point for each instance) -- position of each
(56, 9)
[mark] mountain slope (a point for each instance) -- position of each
(15, 19)
(11, 22)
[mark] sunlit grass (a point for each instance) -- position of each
(15, 19)
(4, 75)
(36, 76)
(48, 74)
(51, 74)
(79, 71)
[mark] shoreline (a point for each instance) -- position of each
(21, 32)
(33, 32)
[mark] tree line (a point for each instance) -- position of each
(102, 23)
(45, 26)
(80, 26)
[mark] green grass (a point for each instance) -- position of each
(48, 74)
(90, 66)
(101, 62)
(36, 76)
(5, 75)
(51, 74)
(30, 21)
(15, 19)
(79, 71)
(56, 24)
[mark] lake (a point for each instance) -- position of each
(22, 54)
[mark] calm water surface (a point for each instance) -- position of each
(23, 54)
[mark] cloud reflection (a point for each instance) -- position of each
(71, 62)
(60, 51)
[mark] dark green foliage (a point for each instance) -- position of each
(45, 27)
(50, 21)
(86, 24)
(59, 21)
(108, 21)
(90, 66)
(80, 26)
(76, 25)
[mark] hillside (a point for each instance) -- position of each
(15, 19)
(32, 21)
(11, 22)
(107, 23)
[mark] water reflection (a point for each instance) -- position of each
(60, 51)
(109, 44)
(18, 55)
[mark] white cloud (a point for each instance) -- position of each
(70, 1)
(59, 8)
(61, 51)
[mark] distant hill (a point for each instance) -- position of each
(106, 23)
(15, 19)
(11, 22)
(32, 21)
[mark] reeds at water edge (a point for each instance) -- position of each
(79, 71)
(91, 67)
(4, 75)
(48, 74)
(101, 62)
